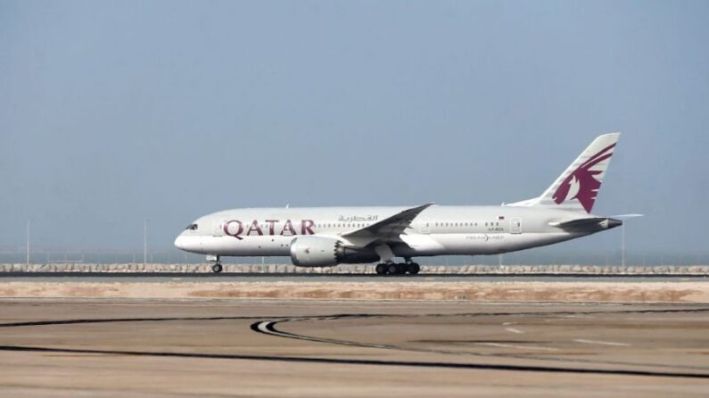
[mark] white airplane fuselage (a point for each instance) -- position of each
(327, 236)
(437, 230)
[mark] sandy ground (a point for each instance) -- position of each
(497, 291)
(297, 348)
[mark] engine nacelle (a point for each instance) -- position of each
(316, 251)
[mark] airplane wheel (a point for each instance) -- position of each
(413, 268)
(392, 269)
(381, 269)
(217, 268)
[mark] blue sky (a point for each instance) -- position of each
(113, 112)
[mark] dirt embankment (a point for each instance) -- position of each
(668, 292)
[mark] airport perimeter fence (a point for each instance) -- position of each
(568, 269)
(532, 257)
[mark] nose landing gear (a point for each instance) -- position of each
(217, 266)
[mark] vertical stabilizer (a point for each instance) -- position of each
(577, 187)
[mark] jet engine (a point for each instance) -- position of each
(316, 251)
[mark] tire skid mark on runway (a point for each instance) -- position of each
(271, 330)
(374, 362)
(123, 320)
(268, 328)
(275, 332)
(339, 316)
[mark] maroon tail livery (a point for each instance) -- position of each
(577, 187)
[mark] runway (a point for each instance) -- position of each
(352, 335)
(354, 277)
(243, 347)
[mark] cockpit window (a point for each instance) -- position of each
(192, 227)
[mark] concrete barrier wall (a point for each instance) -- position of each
(366, 269)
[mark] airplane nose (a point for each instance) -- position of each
(181, 242)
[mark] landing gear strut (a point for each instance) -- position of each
(397, 269)
(217, 266)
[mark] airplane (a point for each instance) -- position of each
(328, 236)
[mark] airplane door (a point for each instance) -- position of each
(516, 225)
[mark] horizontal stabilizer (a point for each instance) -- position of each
(587, 224)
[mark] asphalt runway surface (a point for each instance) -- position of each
(170, 348)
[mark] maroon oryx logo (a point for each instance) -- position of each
(582, 184)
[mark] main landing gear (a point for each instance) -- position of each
(408, 267)
(217, 266)
(388, 267)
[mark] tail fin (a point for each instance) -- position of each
(577, 187)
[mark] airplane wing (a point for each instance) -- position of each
(387, 229)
